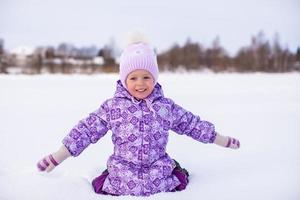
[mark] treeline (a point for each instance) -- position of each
(260, 55)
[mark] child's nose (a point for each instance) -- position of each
(140, 81)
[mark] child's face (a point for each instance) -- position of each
(140, 83)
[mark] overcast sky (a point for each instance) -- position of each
(95, 22)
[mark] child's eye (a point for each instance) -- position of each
(133, 78)
(146, 77)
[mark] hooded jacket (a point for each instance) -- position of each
(139, 165)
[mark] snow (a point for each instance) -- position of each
(262, 110)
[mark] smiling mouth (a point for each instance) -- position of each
(142, 90)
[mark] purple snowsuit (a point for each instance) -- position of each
(139, 165)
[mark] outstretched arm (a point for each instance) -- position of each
(184, 122)
(87, 131)
(226, 141)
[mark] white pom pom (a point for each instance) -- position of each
(134, 37)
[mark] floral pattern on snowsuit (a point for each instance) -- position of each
(139, 165)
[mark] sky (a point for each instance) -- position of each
(97, 22)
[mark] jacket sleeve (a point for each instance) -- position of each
(185, 122)
(87, 131)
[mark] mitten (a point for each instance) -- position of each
(47, 163)
(233, 143)
(51, 161)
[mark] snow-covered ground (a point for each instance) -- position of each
(262, 110)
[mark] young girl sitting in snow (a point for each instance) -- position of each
(139, 117)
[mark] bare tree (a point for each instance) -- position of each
(216, 57)
(3, 63)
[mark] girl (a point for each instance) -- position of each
(139, 117)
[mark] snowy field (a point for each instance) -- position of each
(262, 110)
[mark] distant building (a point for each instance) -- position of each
(98, 60)
(22, 56)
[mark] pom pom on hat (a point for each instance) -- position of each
(138, 55)
(134, 37)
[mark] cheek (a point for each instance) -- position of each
(150, 88)
(130, 89)
(150, 84)
(129, 84)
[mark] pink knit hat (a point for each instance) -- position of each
(138, 56)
